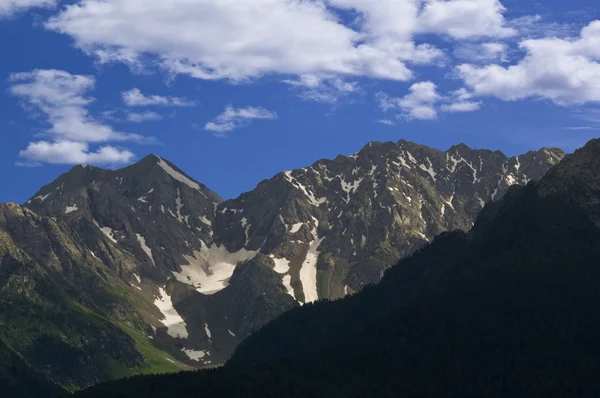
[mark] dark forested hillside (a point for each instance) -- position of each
(509, 309)
(18, 379)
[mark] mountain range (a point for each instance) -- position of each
(506, 309)
(112, 273)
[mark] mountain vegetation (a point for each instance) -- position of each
(507, 309)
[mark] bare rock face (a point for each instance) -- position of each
(158, 273)
(338, 224)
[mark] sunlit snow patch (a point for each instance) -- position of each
(41, 198)
(308, 272)
(179, 177)
(176, 326)
(287, 282)
(194, 355)
(107, 231)
(145, 248)
(209, 269)
(71, 209)
(296, 227)
(282, 265)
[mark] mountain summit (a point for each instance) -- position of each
(338, 225)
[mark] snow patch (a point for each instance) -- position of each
(511, 180)
(41, 198)
(178, 176)
(450, 200)
(429, 169)
(107, 231)
(282, 265)
(207, 330)
(308, 271)
(287, 282)
(176, 326)
(71, 209)
(246, 227)
(455, 161)
(145, 248)
(143, 198)
(179, 205)
(194, 355)
(296, 227)
(231, 333)
(209, 269)
(350, 187)
(309, 194)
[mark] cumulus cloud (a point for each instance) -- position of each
(322, 89)
(465, 19)
(460, 101)
(535, 27)
(139, 117)
(71, 152)
(419, 103)
(565, 71)
(233, 118)
(60, 96)
(135, 97)
(482, 52)
(461, 106)
(10, 7)
(423, 102)
(239, 40)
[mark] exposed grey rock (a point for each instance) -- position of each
(370, 209)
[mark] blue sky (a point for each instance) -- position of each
(235, 91)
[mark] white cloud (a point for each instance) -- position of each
(419, 103)
(9, 7)
(322, 89)
(482, 52)
(565, 71)
(135, 97)
(460, 101)
(423, 102)
(387, 122)
(233, 118)
(239, 40)
(143, 116)
(465, 19)
(535, 27)
(60, 96)
(461, 106)
(70, 152)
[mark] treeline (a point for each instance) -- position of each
(508, 310)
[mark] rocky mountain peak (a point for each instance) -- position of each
(336, 224)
